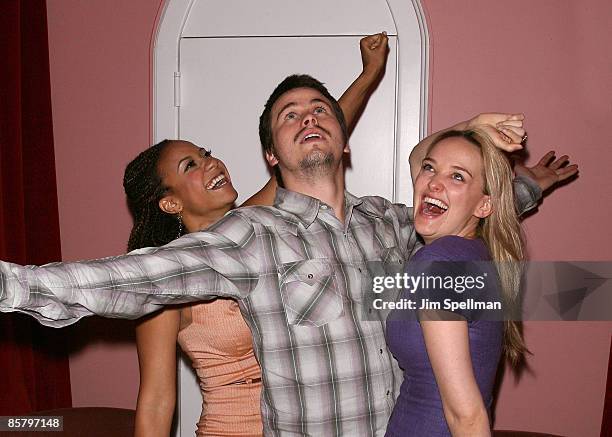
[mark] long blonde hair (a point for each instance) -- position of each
(501, 232)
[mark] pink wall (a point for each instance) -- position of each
(543, 58)
(100, 57)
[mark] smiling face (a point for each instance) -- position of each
(307, 137)
(198, 185)
(448, 191)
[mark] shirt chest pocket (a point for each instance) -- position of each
(392, 261)
(309, 293)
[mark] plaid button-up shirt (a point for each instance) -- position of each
(298, 274)
(300, 277)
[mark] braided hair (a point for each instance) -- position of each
(144, 188)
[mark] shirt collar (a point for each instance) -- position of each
(368, 205)
(306, 208)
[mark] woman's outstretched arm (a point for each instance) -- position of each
(374, 51)
(156, 342)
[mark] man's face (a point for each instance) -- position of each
(307, 137)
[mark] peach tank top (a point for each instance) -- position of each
(219, 344)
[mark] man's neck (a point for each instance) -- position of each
(329, 190)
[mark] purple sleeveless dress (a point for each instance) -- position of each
(418, 410)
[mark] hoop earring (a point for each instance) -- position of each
(180, 224)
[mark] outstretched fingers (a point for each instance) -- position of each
(559, 162)
(560, 166)
(545, 160)
(567, 172)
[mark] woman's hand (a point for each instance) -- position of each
(374, 50)
(548, 171)
(506, 130)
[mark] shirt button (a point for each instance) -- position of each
(323, 206)
(381, 351)
(359, 268)
(388, 392)
(310, 276)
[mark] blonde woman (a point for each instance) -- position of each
(464, 211)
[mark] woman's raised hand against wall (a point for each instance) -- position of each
(508, 134)
(374, 50)
(548, 171)
(506, 130)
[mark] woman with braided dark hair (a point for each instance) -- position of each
(143, 188)
(173, 188)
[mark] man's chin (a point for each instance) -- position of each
(317, 160)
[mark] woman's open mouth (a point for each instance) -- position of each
(217, 182)
(431, 207)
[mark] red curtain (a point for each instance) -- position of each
(33, 361)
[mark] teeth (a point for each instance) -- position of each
(436, 202)
(309, 136)
(215, 182)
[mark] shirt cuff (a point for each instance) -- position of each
(527, 193)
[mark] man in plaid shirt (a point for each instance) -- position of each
(299, 270)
